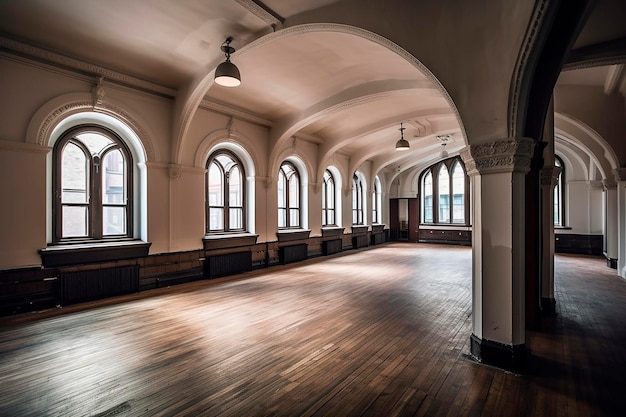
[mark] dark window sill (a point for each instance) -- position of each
(228, 240)
(289, 235)
(92, 252)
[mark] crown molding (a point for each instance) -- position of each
(49, 57)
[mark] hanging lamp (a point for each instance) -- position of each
(227, 73)
(402, 144)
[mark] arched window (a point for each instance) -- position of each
(357, 200)
(377, 202)
(328, 200)
(558, 193)
(288, 196)
(443, 193)
(458, 193)
(225, 193)
(92, 177)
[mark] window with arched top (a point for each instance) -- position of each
(92, 179)
(225, 193)
(558, 193)
(328, 200)
(377, 202)
(357, 200)
(443, 193)
(288, 196)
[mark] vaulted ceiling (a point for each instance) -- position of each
(343, 91)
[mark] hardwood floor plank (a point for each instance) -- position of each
(372, 333)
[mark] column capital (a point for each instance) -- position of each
(609, 184)
(550, 175)
(506, 155)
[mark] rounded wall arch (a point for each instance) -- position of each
(68, 110)
(576, 133)
(57, 123)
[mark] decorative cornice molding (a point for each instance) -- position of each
(50, 57)
(13, 146)
(509, 155)
(606, 53)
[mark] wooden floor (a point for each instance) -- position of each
(382, 332)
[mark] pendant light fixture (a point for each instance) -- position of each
(226, 73)
(402, 144)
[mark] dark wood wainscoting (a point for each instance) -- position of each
(578, 244)
(448, 236)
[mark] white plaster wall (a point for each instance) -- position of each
(23, 204)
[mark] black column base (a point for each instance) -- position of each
(511, 358)
(548, 306)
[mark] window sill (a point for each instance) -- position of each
(359, 229)
(562, 228)
(330, 231)
(289, 235)
(92, 252)
(228, 240)
(446, 226)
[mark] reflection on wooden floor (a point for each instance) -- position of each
(381, 332)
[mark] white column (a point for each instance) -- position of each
(620, 178)
(610, 229)
(549, 178)
(497, 173)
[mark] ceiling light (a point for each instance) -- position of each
(227, 73)
(402, 144)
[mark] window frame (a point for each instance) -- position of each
(226, 203)
(288, 198)
(377, 203)
(329, 187)
(357, 201)
(95, 204)
(434, 170)
(559, 191)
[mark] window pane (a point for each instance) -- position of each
(113, 220)
(282, 201)
(113, 178)
(294, 217)
(282, 217)
(74, 221)
(294, 192)
(235, 218)
(216, 218)
(74, 175)
(458, 190)
(216, 194)
(444, 195)
(427, 208)
(331, 217)
(235, 190)
(95, 142)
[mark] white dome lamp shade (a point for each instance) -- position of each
(402, 144)
(227, 73)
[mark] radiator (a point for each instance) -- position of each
(332, 246)
(228, 264)
(378, 238)
(98, 283)
(359, 241)
(293, 253)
